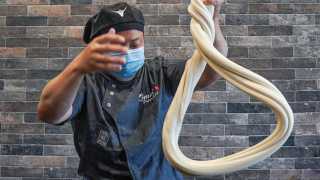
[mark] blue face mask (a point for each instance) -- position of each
(134, 61)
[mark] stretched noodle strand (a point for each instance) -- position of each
(203, 33)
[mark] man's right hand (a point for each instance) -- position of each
(94, 58)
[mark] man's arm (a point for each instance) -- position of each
(209, 75)
(59, 94)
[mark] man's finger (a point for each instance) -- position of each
(112, 47)
(104, 38)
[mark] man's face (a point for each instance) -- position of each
(134, 38)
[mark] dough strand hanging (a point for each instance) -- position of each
(203, 33)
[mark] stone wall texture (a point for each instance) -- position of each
(279, 39)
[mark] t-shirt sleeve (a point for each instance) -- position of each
(77, 103)
(173, 72)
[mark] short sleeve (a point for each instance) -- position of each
(173, 72)
(77, 103)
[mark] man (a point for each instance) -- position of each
(115, 100)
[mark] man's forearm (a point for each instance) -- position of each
(219, 42)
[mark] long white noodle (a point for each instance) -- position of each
(202, 30)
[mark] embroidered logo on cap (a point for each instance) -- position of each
(120, 11)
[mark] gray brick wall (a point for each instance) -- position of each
(278, 39)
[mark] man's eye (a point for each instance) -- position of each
(134, 46)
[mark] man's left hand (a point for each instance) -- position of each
(216, 3)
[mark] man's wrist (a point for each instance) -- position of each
(216, 18)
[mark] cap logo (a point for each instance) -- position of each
(120, 11)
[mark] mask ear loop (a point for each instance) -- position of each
(202, 30)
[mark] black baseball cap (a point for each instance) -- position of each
(121, 16)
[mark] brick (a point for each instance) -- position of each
(1, 85)
(162, 20)
(68, 20)
(270, 30)
(47, 52)
(13, 74)
(71, 1)
(49, 139)
(59, 150)
(234, 30)
(202, 153)
(253, 64)
(214, 141)
(52, 129)
(243, 130)
(21, 172)
(249, 174)
(216, 118)
(45, 161)
(27, 2)
(26, 21)
(19, 106)
(81, 9)
(239, 52)
(15, 84)
(2, 20)
(256, 139)
(312, 140)
(11, 161)
(21, 150)
(307, 73)
(235, 8)
(60, 172)
(66, 42)
(12, 31)
(49, 10)
(310, 51)
(250, 41)
(271, 163)
(41, 74)
(271, 8)
(150, 9)
(58, 63)
(207, 107)
(10, 139)
(208, 129)
(21, 63)
(152, 41)
(172, 9)
(247, 19)
(13, 10)
(292, 19)
(307, 163)
(31, 117)
(72, 162)
(26, 42)
(306, 30)
(259, 52)
(310, 174)
(12, 52)
(23, 128)
(292, 152)
(294, 63)
(12, 96)
(220, 96)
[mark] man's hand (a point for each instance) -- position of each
(216, 3)
(209, 76)
(94, 58)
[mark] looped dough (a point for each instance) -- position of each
(202, 30)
